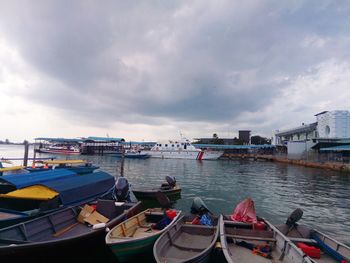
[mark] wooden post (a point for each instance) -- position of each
(122, 163)
(26, 149)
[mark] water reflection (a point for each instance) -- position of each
(277, 189)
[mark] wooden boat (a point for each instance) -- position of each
(151, 192)
(136, 235)
(77, 166)
(317, 243)
(48, 196)
(170, 189)
(241, 243)
(57, 232)
(185, 242)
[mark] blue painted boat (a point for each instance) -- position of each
(16, 181)
(62, 191)
(77, 166)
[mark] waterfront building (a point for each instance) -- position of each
(332, 128)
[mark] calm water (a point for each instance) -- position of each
(277, 189)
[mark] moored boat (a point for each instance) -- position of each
(138, 234)
(240, 242)
(61, 149)
(132, 154)
(170, 189)
(59, 232)
(45, 197)
(186, 242)
(316, 245)
(182, 149)
(77, 166)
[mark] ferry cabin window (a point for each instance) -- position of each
(172, 145)
(177, 146)
(166, 145)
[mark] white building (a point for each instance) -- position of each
(330, 127)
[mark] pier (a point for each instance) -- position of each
(335, 166)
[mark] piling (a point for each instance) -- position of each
(26, 150)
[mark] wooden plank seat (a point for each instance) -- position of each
(251, 238)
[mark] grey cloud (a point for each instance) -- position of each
(210, 65)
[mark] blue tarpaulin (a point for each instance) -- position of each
(28, 179)
(78, 188)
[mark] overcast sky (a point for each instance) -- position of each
(148, 70)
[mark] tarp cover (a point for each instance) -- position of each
(245, 212)
(34, 192)
(79, 188)
(28, 179)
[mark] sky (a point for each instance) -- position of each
(150, 70)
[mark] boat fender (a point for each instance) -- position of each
(99, 225)
(107, 229)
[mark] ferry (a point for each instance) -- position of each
(183, 149)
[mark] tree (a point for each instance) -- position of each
(258, 140)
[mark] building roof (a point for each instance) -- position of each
(223, 146)
(339, 148)
(304, 128)
(323, 112)
(104, 139)
(57, 139)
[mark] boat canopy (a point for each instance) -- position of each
(34, 192)
(28, 179)
(79, 188)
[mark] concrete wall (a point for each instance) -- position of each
(334, 124)
(300, 149)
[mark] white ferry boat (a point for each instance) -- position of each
(181, 150)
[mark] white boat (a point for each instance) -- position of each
(183, 149)
(61, 149)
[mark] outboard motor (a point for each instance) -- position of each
(122, 189)
(294, 217)
(198, 207)
(171, 181)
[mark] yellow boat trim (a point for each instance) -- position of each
(62, 162)
(12, 168)
(34, 192)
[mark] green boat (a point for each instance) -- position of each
(138, 234)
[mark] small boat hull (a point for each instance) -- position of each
(79, 170)
(60, 231)
(151, 193)
(136, 236)
(186, 242)
(238, 240)
(331, 249)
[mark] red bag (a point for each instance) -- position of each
(311, 251)
(245, 212)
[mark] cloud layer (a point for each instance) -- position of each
(142, 70)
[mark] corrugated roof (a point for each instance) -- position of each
(57, 139)
(303, 128)
(345, 148)
(108, 139)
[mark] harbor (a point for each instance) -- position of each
(277, 188)
(174, 132)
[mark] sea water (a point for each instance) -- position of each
(276, 188)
